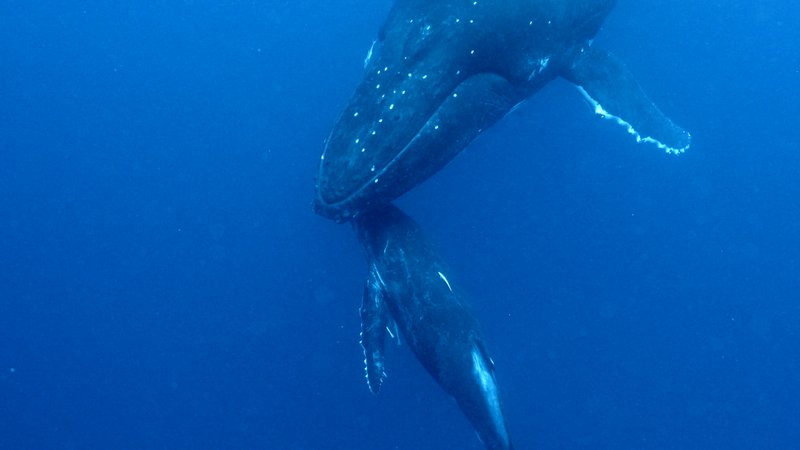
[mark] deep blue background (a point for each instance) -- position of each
(164, 283)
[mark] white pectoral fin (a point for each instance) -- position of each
(374, 328)
(615, 95)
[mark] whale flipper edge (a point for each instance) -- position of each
(615, 95)
(374, 328)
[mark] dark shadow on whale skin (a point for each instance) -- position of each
(408, 286)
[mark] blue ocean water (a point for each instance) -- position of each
(165, 284)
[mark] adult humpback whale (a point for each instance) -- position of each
(407, 285)
(441, 71)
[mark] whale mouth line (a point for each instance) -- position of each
(375, 178)
(414, 138)
(485, 91)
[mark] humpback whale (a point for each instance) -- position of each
(442, 71)
(407, 286)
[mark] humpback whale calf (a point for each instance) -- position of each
(407, 286)
(442, 71)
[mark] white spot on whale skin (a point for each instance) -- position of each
(369, 54)
(378, 275)
(539, 66)
(441, 275)
(600, 111)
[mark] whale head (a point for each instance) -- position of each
(428, 90)
(439, 74)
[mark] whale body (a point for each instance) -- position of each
(408, 287)
(442, 71)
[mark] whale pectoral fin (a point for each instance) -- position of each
(374, 322)
(614, 93)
